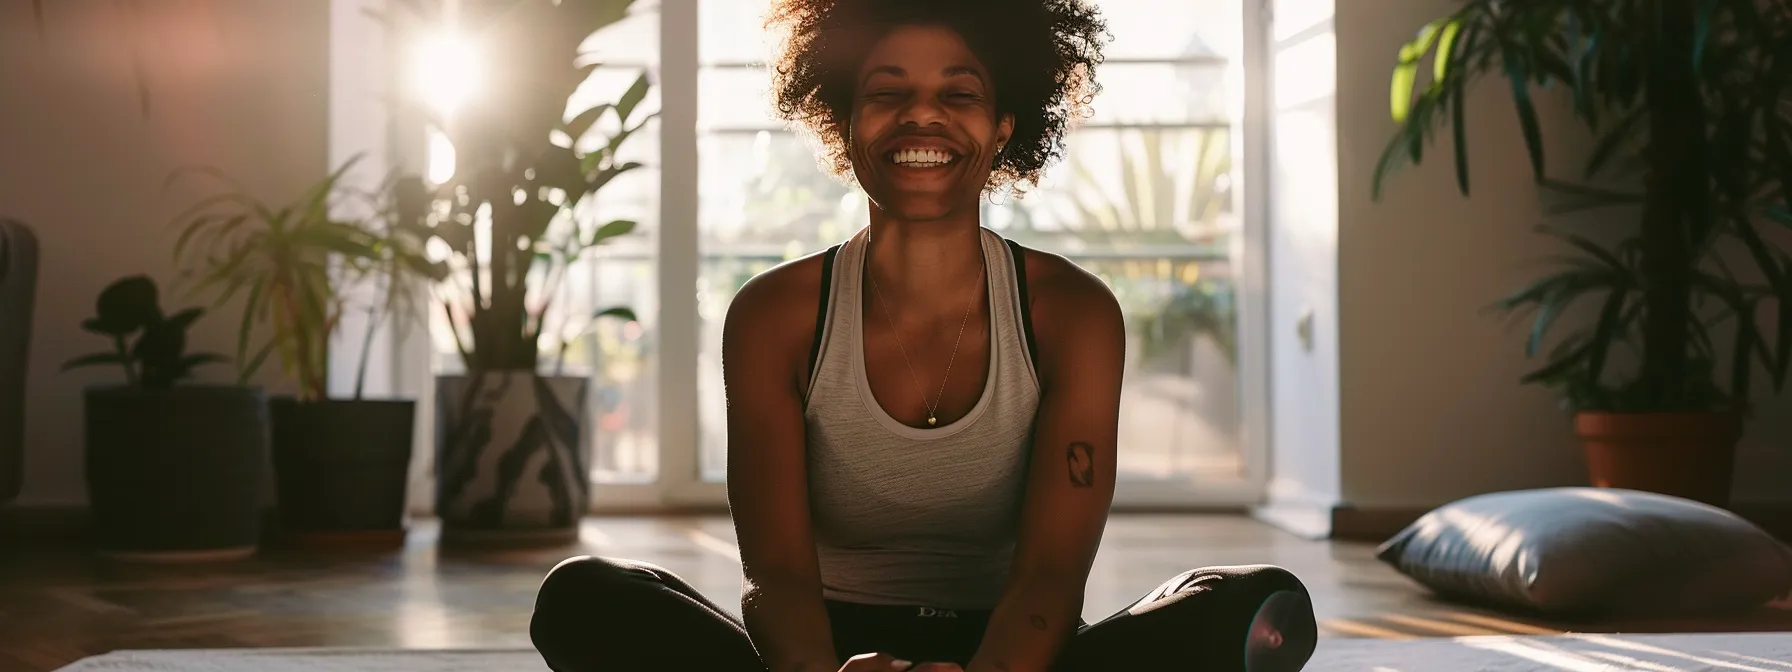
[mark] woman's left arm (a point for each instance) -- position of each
(1081, 339)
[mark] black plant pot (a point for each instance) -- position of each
(341, 468)
(176, 475)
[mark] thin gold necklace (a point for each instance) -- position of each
(933, 408)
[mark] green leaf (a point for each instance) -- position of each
(1446, 50)
(620, 227)
(1547, 314)
(620, 312)
(604, 176)
(1782, 351)
(184, 319)
(1562, 365)
(581, 124)
(1459, 133)
(245, 328)
(247, 371)
(98, 326)
(625, 107)
(1742, 359)
(185, 366)
(1591, 248)
(615, 145)
(1611, 322)
(1563, 198)
(96, 359)
(128, 304)
(1613, 141)
(1543, 287)
(1761, 251)
(1702, 33)
(1527, 112)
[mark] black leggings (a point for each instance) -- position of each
(602, 614)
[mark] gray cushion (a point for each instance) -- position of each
(1593, 552)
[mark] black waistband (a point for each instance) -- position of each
(890, 612)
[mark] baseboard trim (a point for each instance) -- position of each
(1375, 525)
(1312, 522)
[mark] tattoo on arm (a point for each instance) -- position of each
(1081, 457)
(1038, 622)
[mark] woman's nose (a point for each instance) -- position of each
(923, 111)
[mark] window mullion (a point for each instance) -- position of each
(677, 330)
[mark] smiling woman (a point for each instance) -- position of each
(923, 484)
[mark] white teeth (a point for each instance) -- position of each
(924, 157)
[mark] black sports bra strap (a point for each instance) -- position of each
(1026, 303)
(821, 311)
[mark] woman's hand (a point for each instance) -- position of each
(883, 662)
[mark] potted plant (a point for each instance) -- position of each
(1688, 100)
(510, 437)
(341, 465)
(174, 469)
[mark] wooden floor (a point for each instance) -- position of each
(60, 604)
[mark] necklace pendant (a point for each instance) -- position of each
(931, 421)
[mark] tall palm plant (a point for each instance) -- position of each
(1691, 105)
(1695, 93)
(525, 174)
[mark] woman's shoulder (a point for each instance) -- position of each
(1070, 307)
(776, 308)
(1057, 284)
(772, 291)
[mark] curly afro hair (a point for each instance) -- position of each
(1041, 54)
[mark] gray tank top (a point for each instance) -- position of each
(910, 516)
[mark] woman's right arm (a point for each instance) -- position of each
(765, 342)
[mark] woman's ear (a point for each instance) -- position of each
(1004, 129)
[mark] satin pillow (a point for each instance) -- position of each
(1593, 552)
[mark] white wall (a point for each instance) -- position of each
(241, 85)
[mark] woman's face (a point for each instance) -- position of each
(924, 132)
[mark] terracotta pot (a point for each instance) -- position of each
(1687, 455)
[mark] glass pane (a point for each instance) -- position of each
(732, 31)
(762, 194)
(1161, 93)
(619, 357)
(1179, 409)
(1130, 191)
(1173, 29)
(735, 98)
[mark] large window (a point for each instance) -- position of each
(1145, 199)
